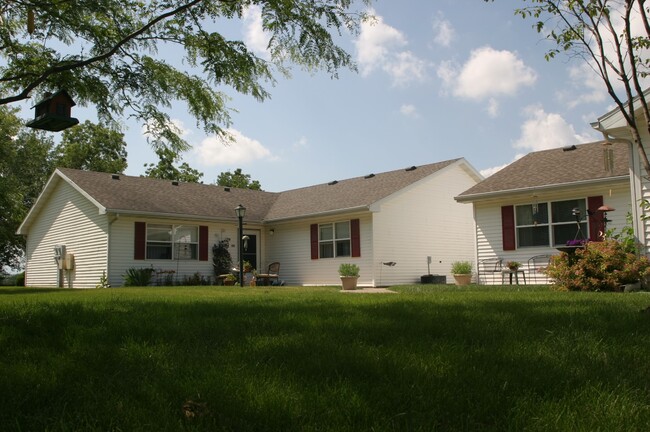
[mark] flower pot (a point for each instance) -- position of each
(349, 282)
(463, 279)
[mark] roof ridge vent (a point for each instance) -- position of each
(371, 175)
(412, 168)
(333, 182)
(174, 182)
(569, 148)
(115, 176)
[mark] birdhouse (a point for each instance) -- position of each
(54, 112)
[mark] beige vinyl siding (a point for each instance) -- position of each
(488, 219)
(122, 244)
(420, 221)
(291, 246)
(68, 219)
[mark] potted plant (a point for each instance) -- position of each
(349, 274)
(230, 279)
(513, 265)
(462, 271)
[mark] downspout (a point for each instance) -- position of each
(112, 220)
(636, 187)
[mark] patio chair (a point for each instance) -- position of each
(489, 266)
(272, 273)
(538, 264)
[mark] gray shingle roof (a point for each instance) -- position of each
(143, 195)
(553, 167)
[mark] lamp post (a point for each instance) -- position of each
(240, 211)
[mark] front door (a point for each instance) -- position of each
(250, 249)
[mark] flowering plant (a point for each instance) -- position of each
(513, 265)
(600, 266)
(576, 242)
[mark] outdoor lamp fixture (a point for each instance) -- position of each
(240, 211)
(576, 212)
(604, 209)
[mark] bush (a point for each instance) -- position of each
(221, 259)
(461, 267)
(349, 270)
(138, 276)
(600, 266)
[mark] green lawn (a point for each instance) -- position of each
(312, 359)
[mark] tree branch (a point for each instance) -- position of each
(79, 64)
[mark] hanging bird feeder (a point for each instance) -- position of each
(54, 112)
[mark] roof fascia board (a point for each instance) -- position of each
(320, 214)
(160, 215)
(47, 190)
(489, 195)
(614, 119)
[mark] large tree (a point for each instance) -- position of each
(25, 164)
(603, 34)
(166, 168)
(92, 147)
(237, 179)
(122, 56)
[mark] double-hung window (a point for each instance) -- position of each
(334, 240)
(172, 242)
(550, 224)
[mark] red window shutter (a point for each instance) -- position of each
(508, 227)
(356, 238)
(595, 218)
(140, 241)
(314, 241)
(203, 243)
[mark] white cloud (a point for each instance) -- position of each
(409, 110)
(489, 171)
(214, 151)
(406, 67)
(445, 32)
(543, 131)
(380, 46)
(489, 73)
(301, 143)
(254, 36)
(493, 108)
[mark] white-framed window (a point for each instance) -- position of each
(172, 242)
(334, 240)
(550, 224)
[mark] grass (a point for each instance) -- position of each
(311, 359)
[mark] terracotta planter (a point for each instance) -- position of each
(463, 279)
(349, 282)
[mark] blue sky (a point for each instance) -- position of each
(437, 80)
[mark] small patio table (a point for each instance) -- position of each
(509, 272)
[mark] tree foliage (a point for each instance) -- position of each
(92, 147)
(165, 169)
(237, 179)
(122, 56)
(28, 158)
(604, 34)
(25, 165)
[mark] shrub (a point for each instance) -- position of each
(138, 276)
(349, 270)
(461, 267)
(600, 266)
(221, 259)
